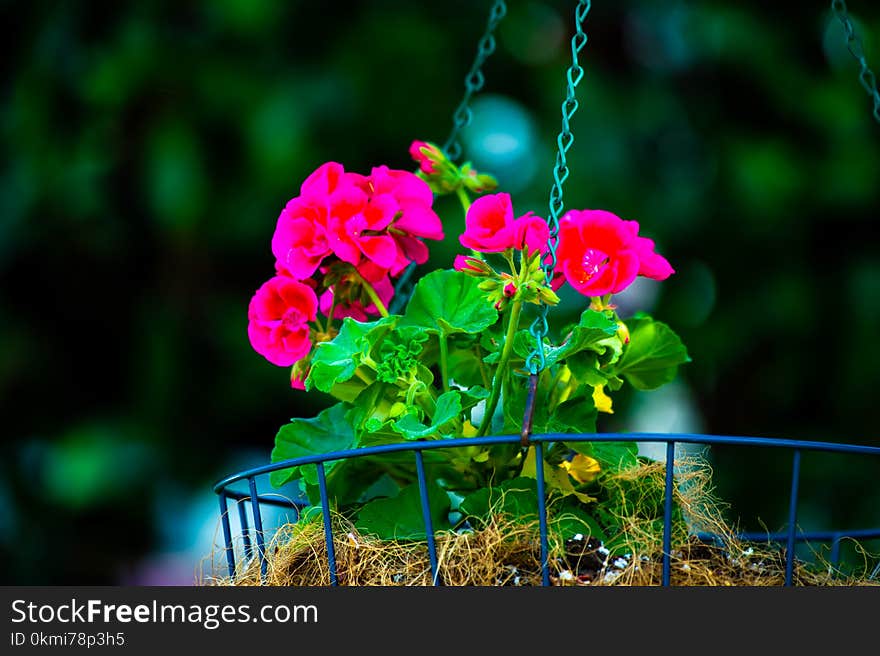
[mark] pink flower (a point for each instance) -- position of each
(489, 224)
(599, 253)
(278, 317)
(406, 200)
(491, 228)
(300, 242)
(302, 236)
(375, 223)
(532, 231)
(359, 236)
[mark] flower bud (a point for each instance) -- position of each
(623, 332)
(477, 182)
(435, 168)
(427, 155)
(472, 265)
(547, 295)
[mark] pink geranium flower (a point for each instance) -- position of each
(378, 219)
(489, 224)
(599, 253)
(300, 242)
(405, 200)
(531, 231)
(278, 320)
(491, 228)
(302, 236)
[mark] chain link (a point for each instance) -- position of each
(474, 80)
(539, 328)
(854, 45)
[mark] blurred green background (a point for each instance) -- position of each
(151, 145)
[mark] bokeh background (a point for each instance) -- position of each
(151, 145)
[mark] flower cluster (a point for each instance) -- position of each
(597, 252)
(337, 247)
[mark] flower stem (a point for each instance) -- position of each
(483, 373)
(373, 296)
(444, 361)
(464, 198)
(501, 371)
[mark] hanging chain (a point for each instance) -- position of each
(854, 45)
(474, 80)
(539, 327)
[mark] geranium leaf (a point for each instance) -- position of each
(516, 497)
(448, 302)
(652, 357)
(448, 407)
(329, 431)
(336, 361)
(400, 517)
(595, 331)
(615, 456)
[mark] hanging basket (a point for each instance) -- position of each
(252, 557)
(520, 538)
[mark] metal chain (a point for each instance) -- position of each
(854, 45)
(474, 80)
(539, 327)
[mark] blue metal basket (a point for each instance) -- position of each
(790, 537)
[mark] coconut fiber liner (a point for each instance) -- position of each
(505, 551)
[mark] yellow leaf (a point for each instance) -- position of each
(554, 477)
(582, 468)
(601, 400)
(468, 429)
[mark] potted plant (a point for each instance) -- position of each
(454, 362)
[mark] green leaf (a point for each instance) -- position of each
(448, 407)
(472, 396)
(348, 481)
(329, 431)
(574, 416)
(400, 517)
(464, 367)
(335, 361)
(615, 456)
(653, 354)
(516, 497)
(594, 332)
(572, 518)
(447, 302)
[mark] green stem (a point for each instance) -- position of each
(483, 373)
(508, 255)
(501, 371)
(444, 361)
(373, 296)
(464, 198)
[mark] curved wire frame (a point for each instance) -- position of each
(791, 536)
